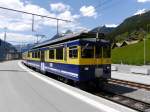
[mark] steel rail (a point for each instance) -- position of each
(129, 83)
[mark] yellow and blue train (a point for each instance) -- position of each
(79, 57)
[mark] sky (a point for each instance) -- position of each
(83, 14)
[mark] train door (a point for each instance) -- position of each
(42, 56)
(98, 60)
(42, 61)
(65, 52)
(98, 54)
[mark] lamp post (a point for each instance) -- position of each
(5, 35)
(5, 50)
(148, 25)
(144, 49)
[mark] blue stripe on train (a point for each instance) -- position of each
(74, 72)
(65, 70)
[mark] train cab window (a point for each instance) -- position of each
(59, 53)
(98, 52)
(106, 52)
(87, 51)
(51, 54)
(73, 52)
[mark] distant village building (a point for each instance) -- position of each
(132, 42)
(124, 43)
(119, 44)
(8, 51)
(114, 45)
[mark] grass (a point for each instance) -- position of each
(132, 54)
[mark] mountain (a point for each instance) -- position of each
(103, 29)
(132, 27)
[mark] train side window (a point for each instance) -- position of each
(32, 54)
(28, 54)
(59, 53)
(73, 52)
(107, 52)
(51, 54)
(87, 51)
(38, 54)
(98, 52)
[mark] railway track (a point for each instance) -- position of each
(129, 83)
(125, 101)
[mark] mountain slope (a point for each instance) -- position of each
(103, 29)
(131, 24)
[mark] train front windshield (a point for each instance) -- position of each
(97, 51)
(87, 51)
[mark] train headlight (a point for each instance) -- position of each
(86, 68)
(108, 67)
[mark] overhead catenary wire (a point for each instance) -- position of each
(44, 16)
(34, 14)
(99, 5)
(104, 5)
(32, 23)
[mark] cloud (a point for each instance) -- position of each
(140, 11)
(18, 38)
(88, 11)
(111, 25)
(143, 1)
(59, 7)
(22, 22)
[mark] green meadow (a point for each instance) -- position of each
(132, 54)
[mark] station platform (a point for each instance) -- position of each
(23, 90)
(123, 72)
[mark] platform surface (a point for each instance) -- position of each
(23, 90)
(138, 78)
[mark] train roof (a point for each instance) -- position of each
(65, 38)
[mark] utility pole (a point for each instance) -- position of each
(38, 15)
(144, 49)
(148, 28)
(5, 34)
(57, 26)
(144, 44)
(5, 51)
(39, 35)
(148, 25)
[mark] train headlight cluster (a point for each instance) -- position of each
(108, 67)
(86, 68)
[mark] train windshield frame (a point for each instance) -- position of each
(97, 50)
(73, 52)
(87, 51)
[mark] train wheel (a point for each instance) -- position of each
(101, 83)
(80, 85)
(37, 70)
